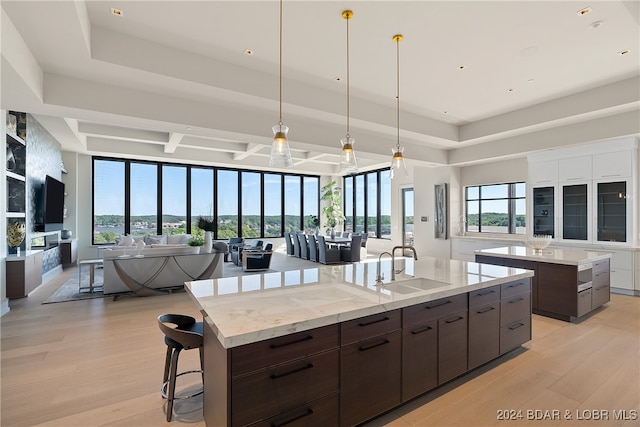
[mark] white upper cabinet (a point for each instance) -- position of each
(543, 172)
(574, 169)
(618, 164)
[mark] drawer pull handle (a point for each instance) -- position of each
(516, 285)
(378, 344)
(384, 319)
(295, 371)
(486, 310)
(454, 320)
(513, 328)
(516, 300)
(429, 307)
(481, 294)
(296, 418)
(307, 338)
(601, 287)
(421, 330)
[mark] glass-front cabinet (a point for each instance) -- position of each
(612, 213)
(575, 212)
(544, 210)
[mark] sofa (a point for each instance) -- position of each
(158, 266)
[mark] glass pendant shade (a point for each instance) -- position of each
(348, 162)
(398, 167)
(280, 153)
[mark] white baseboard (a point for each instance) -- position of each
(4, 307)
(51, 274)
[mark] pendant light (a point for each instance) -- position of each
(280, 153)
(398, 167)
(348, 162)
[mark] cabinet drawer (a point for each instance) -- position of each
(514, 288)
(601, 294)
(420, 313)
(515, 308)
(319, 413)
(599, 267)
(515, 334)
(584, 302)
(370, 326)
(452, 346)
(251, 357)
(484, 334)
(483, 296)
(272, 391)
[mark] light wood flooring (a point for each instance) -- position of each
(99, 363)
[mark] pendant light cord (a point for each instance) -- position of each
(348, 78)
(280, 69)
(398, 92)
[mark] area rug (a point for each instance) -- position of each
(69, 290)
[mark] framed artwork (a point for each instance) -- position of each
(441, 211)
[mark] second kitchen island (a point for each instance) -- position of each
(328, 346)
(567, 284)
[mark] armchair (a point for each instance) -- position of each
(234, 243)
(257, 260)
(236, 256)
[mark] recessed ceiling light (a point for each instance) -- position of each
(337, 78)
(624, 52)
(188, 128)
(510, 89)
(595, 24)
(530, 80)
(116, 12)
(248, 52)
(585, 11)
(461, 67)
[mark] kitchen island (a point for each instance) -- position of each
(567, 284)
(329, 346)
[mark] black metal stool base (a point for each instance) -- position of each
(164, 392)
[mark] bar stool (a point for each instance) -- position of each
(186, 335)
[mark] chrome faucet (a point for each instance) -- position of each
(393, 259)
(379, 275)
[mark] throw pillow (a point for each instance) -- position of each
(155, 240)
(125, 241)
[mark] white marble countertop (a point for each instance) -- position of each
(550, 255)
(252, 308)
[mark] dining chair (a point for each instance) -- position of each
(327, 255)
(288, 242)
(304, 246)
(313, 248)
(351, 253)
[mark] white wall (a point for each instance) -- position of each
(512, 170)
(4, 302)
(70, 180)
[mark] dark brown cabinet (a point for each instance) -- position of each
(371, 365)
(484, 326)
(24, 274)
(347, 373)
(69, 252)
(419, 359)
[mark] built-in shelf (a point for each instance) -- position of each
(16, 138)
(15, 214)
(16, 176)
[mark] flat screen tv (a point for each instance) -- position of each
(52, 205)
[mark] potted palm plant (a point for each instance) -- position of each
(332, 196)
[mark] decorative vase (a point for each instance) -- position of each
(208, 243)
(11, 160)
(333, 233)
(15, 234)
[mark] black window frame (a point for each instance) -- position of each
(511, 199)
(378, 214)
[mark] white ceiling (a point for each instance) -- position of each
(170, 79)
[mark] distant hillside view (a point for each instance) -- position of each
(108, 227)
(495, 222)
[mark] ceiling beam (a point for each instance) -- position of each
(174, 141)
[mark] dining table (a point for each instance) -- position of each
(339, 241)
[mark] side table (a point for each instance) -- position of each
(92, 273)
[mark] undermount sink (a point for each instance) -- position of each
(414, 285)
(399, 288)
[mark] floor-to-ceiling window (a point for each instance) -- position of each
(251, 202)
(407, 215)
(108, 200)
(273, 205)
(143, 189)
(367, 203)
(174, 199)
(139, 197)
